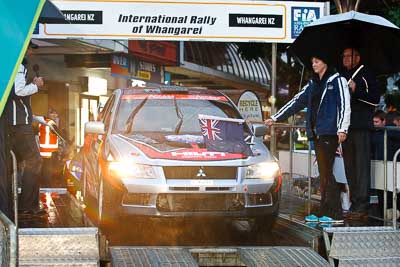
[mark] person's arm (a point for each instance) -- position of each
(344, 109)
(21, 88)
(297, 103)
(366, 88)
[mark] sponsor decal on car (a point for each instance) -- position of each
(188, 154)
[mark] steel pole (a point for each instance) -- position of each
(385, 175)
(14, 235)
(394, 206)
(273, 96)
(273, 77)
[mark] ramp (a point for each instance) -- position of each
(228, 256)
(157, 256)
(58, 247)
(281, 257)
(363, 246)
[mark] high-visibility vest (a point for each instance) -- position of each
(48, 141)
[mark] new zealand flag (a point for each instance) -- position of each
(224, 135)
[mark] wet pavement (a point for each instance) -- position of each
(63, 210)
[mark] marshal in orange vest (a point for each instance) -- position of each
(48, 141)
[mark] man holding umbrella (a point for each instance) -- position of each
(356, 150)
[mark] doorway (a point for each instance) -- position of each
(88, 111)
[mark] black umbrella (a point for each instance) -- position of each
(377, 39)
(51, 14)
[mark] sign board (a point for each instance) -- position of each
(224, 21)
(249, 106)
(163, 53)
(120, 66)
(146, 71)
(17, 22)
(126, 67)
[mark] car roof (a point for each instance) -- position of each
(170, 90)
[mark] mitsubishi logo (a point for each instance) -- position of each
(201, 173)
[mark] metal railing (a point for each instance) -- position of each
(385, 175)
(9, 230)
(291, 148)
(8, 241)
(394, 214)
(273, 150)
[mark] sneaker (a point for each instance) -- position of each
(311, 218)
(329, 220)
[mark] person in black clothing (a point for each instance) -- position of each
(356, 150)
(23, 142)
(377, 135)
(377, 146)
(381, 119)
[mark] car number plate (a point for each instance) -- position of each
(202, 182)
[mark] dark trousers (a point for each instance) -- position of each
(325, 149)
(357, 161)
(26, 149)
(5, 181)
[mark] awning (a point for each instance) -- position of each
(219, 66)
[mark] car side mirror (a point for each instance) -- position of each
(260, 129)
(94, 127)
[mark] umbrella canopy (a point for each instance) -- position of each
(377, 39)
(51, 14)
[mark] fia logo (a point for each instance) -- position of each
(305, 14)
(301, 17)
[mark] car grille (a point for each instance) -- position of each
(197, 172)
(200, 202)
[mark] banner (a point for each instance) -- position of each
(223, 21)
(17, 22)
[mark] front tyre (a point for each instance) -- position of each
(109, 203)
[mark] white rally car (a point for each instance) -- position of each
(146, 156)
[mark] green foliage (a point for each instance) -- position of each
(393, 14)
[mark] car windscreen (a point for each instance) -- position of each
(169, 114)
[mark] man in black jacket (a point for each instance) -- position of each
(356, 150)
(23, 142)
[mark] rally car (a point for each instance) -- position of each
(146, 156)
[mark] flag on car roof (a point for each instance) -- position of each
(224, 134)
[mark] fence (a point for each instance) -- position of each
(8, 242)
(291, 128)
(9, 230)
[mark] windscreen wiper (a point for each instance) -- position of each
(180, 116)
(129, 121)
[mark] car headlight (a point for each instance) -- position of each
(263, 170)
(130, 170)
